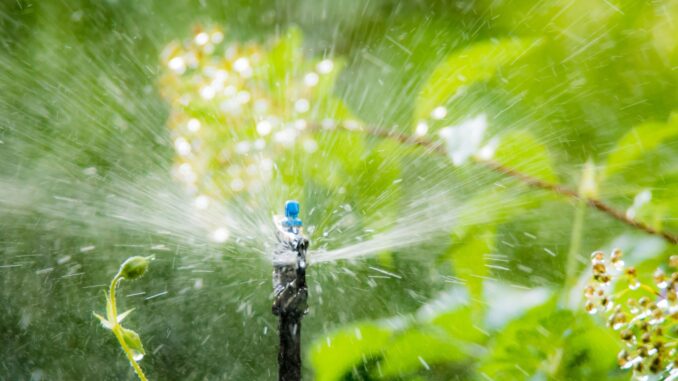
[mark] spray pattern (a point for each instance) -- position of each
(239, 111)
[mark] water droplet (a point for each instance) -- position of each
(220, 235)
(311, 79)
(207, 92)
(301, 105)
(439, 113)
(202, 38)
(217, 37)
(421, 129)
(177, 65)
(325, 66)
(237, 185)
(264, 127)
(193, 125)
(182, 146)
(241, 65)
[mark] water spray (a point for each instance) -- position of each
(289, 289)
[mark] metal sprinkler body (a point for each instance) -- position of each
(289, 289)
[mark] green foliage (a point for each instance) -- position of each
(392, 349)
(468, 256)
(638, 142)
(336, 357)
(476, 63)
(552, 344)
(521, 151)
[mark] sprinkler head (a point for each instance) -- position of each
(291, 209)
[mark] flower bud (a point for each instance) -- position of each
(134, 267)
(133, 342)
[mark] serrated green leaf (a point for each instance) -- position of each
(476, 63)
(638, 141)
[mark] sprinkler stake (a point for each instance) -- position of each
(289, 289)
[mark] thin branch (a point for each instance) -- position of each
(529, 181)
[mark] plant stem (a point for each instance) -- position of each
(118, 334)
(117, 329)
(111, 295)
(574, 251)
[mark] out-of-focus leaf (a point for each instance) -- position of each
(377, 190)
(378, 351)
(461, 325)
(469, 261)
(339, 353)
(521, 151)
(417, 348)
(476, 63)
(639, 140)
(548, 343)
(284, 59)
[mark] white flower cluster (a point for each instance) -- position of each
(236, 106)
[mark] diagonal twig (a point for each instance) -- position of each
(527, 180)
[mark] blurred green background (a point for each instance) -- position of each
(84, 149)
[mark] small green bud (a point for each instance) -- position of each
(133, 341)
(134, 267)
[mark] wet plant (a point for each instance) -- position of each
(645, 313)
(130, 342)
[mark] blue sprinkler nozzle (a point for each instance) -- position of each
(292, 214)
(291, 209)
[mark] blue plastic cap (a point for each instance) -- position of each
(291, 209)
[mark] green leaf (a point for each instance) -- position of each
(547, 343)
(521, 151)
(476, 63)
(105, 323)
(461, 325)
(417, 348)
(469, 264)
(284, 60)
(123, 315)
(638, 141)
(336, 356)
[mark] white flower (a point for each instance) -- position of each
(463, 141)
(639, 201)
